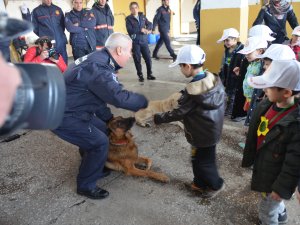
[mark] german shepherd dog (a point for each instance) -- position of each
(123, 152)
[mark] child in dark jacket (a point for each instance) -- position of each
(201, 108)
(273, 141)
(231, 60)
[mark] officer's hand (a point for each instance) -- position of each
(44, 55)
(24, 8)
(236, 71)
(76, 24)
(144, 31)
(157, 119)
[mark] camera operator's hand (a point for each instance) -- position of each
(44, 54)
(10, 79)
(54, 60)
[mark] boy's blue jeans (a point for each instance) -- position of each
(269, 210)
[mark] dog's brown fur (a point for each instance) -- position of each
(123, 152)
(158, 106)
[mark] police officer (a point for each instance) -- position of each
(104, 22)
(48, 20)
(138, 27)
(196, 15)
(162, 18)
(91, 83)
(81, 23)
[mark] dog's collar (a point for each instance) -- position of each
(119, 143)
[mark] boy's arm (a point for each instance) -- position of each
(185, 105)
(289, 176)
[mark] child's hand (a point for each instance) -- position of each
(298, 195)
(275, 196)
(236, 70)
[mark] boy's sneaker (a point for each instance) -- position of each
(282, 218)
(208, 194)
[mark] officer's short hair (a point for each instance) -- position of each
(133, 3)
(117, 40)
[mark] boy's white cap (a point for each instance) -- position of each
(252, 44)
(261, 31)
(296, 31)
(190, 54)
(281, 73)
(231, 32)
(278, 52)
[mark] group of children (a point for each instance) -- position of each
(257, 72)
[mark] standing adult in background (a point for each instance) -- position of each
(81, 25)
(274, 15)
(49, 20)
(104, 22)
(196, 13)
(138, 27)
(162, 18)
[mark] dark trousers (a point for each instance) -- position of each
(89, 136)
(78, 52)
(198, 37)
(205, 169)
(139, 50)
(164, 38)
(63, 51)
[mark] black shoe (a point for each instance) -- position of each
(282, 217)
(150, 77)
(155, 57)
(141, 79)
(96, 193)
(106, 172)
(174, 57)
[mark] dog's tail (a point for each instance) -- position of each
(158, 176)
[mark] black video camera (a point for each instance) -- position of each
(40, 100)
(51, 50)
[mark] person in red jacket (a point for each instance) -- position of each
(43, 52)
(294, 42)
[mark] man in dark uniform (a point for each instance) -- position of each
(162, 18)
(138, 27)
(48, 20)
(104, 22)
(274, 15)
(91, 84)
(81, 25)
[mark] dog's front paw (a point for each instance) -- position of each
(164, 178)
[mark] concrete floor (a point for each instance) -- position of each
(38, 171)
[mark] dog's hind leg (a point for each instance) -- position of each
(114, 166)
(130, 169)
(144, 160)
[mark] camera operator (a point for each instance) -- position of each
(43, 52)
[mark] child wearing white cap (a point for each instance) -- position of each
(254, 46)
(294, 42)
(231, 59)
(274, 52)
(201, 108)
(273, 140)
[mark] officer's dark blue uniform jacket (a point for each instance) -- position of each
(134, 28)
(50, 21)
(104, 23)
(82, 35)
(196, 13)
(92, 84)
(162, 18)
(278, 26)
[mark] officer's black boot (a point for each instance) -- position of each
(155, 57)
(150, 77)
(141, 78)
(174, 56)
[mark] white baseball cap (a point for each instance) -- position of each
(190, 54)
(252, 44)
(281, 73)
(278, 52)
(296, 31)
(231, 32)
(261, 31)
